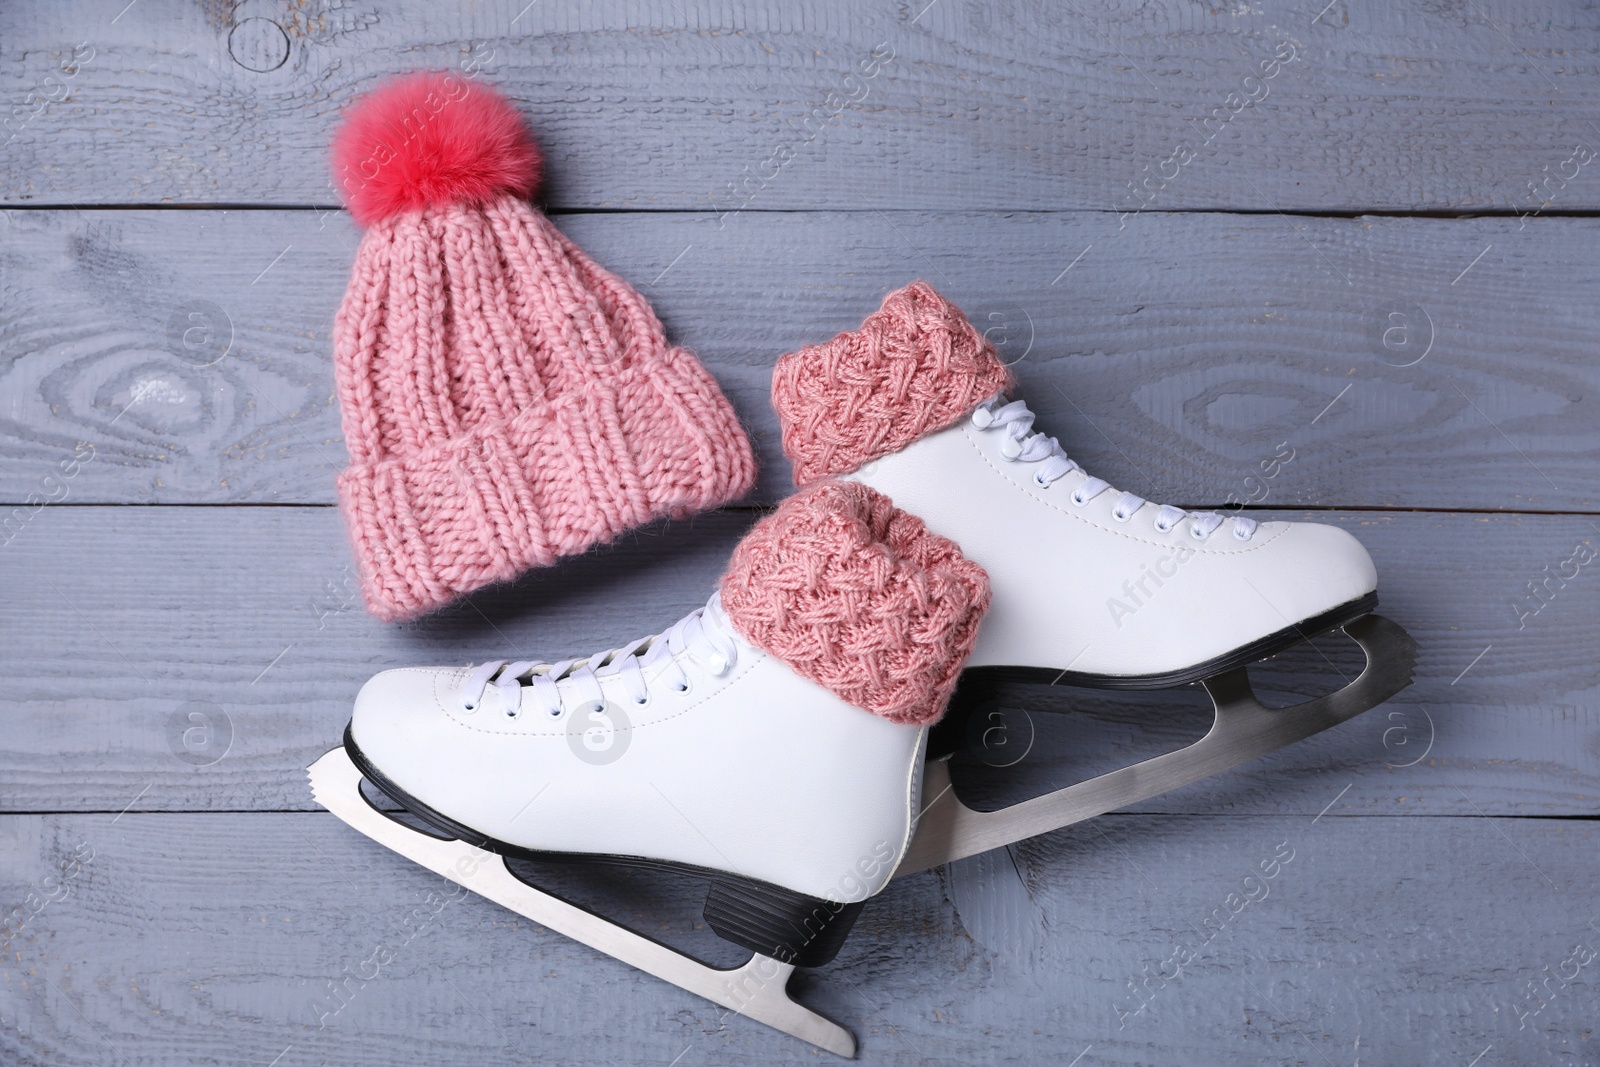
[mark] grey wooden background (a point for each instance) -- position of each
(1383, 254)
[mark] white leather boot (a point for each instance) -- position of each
(772, 740)
(1092, 586)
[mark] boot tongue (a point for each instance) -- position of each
(986, 413)
(713, 617)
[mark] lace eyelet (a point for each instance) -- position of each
(1195, 532)
(469, 706)
(556, 713)
(684, 688)
(1239, 533)
(512, 713)
(1078, 498)
(1121, 516)
(1162, 527)
(1040, 482)
(641, 702)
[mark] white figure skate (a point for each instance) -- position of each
(1092, 586)
(668, 753)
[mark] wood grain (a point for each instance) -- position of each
(221, 938)
(716, 108)
(122, 622)
(1192, 264)
(1406, 362)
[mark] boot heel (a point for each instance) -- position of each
(788, 926)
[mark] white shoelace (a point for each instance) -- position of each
(1020, 444)
(700, 635)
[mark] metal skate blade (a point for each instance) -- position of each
(758, 989)
(1242, 730)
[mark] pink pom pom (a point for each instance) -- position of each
(429, 140)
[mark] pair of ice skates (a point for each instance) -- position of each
(735, 745)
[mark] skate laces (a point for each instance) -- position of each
(703, 635)
(1022, 444)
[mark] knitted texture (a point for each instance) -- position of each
(507, 401)
(915, 366)
(858, 596)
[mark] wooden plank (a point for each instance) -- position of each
(168, 893)
(201, 658)
(719, 108)
(190, 349)
(237, 938)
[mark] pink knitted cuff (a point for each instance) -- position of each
(555, 479)
(915, 366)
(858, 596)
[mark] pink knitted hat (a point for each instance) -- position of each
(861, 598)
(915, 366)
(506, 400)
